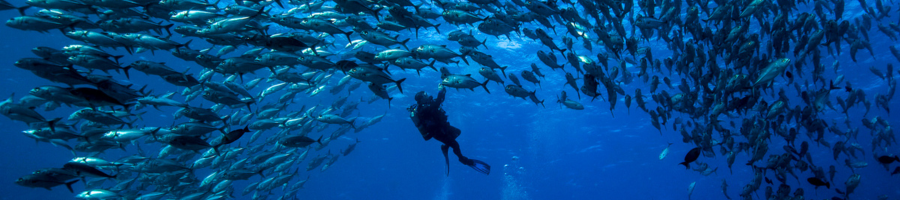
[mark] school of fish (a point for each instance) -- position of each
(737, 75)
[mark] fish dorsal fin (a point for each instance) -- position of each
(10, 99)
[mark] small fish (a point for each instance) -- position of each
(725, 189)
(665, 152)
(887, 159)
(691, 156)
(691, 189)
(233, 136)
(818, 182)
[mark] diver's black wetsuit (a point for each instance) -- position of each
(432, 122)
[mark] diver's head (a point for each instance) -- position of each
(422, 95)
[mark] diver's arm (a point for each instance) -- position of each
(440, 97)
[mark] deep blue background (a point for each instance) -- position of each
(562, 153)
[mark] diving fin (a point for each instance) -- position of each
(480, 166)
(444, 149)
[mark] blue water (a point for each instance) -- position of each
(536, 152)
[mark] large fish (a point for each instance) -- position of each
(464, 82)
(298, 141)
(369, 74)
(767, 74)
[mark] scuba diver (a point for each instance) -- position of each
(432, 122)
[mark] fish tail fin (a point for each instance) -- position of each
(389, 72)
(216, 149)
(831, 86)
(686, 165)
(248, 106)
(259, 13)
(484, 85)
(432, 65)
(503, 70)
(125, 70)
(437, 29)
(168, 27)
(398, 84)
(183, 45)
(484, 43)
(52, 124)
(351, 32)
(117, 58)
(416, 7)
(828, 185)
(319, 140)
(71, 26)
(404, 43)
(153, 133)
(463, 56)
(216, 4)
(69, 185)
(279, 3)
(376, 11)
(22, 12)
